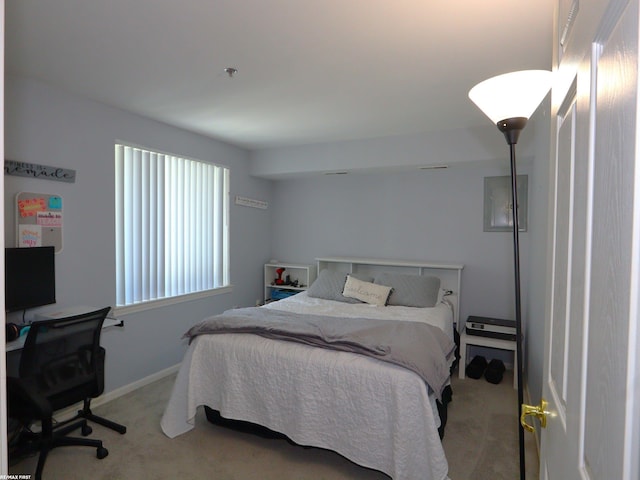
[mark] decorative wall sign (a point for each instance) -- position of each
(29, 235)
(497, 204)
(33, 170)
(39, 220)
(250, 202)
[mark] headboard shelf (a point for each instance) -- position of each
(450, 273)
(394, 263)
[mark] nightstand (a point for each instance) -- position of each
(466, 340)
(300, 277)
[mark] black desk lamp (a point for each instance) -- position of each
(509, 100)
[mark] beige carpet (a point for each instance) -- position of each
(481, 442)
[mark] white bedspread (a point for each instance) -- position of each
(376, 414)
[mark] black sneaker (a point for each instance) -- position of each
(495, 371)
(476, 368)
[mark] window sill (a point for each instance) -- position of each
(163, 302)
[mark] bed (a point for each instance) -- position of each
(377, 412)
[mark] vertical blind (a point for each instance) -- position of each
(171, 225)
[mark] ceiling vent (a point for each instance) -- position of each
(433, 167)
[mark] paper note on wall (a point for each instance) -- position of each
(29, 235)
(31, 206)
(49, 219)
(55, 203)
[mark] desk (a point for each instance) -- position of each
(18, 343)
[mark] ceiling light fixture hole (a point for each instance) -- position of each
(231, 71)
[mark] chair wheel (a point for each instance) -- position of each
(86, 430)
(102, 452)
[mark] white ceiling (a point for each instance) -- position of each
(308, 70)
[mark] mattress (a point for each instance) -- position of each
(376, 414)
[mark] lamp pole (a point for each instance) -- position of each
(511, 129)
(518, 307)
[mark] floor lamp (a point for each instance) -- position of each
(509, 100)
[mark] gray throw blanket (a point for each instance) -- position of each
(422, 348)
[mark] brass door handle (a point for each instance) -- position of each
(539, 411)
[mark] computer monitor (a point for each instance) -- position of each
(29, 277)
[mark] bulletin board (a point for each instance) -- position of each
(39, 220)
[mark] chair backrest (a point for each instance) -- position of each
(60, 356)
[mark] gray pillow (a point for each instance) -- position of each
(330, 283)
(410, 290)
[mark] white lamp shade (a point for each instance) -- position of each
(511, 95)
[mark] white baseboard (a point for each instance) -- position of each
(119, 392)
(69, 412)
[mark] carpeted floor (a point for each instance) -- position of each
(481, 442)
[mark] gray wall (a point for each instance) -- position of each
(466, 146)
(47, 126)
(425, 215)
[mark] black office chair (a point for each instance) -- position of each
(62, 364)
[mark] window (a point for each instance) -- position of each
(172, 234)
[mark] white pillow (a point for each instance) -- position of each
(330, 284)
(366, 291)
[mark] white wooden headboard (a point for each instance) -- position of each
(450, 274)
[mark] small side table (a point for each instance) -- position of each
(466, 340)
